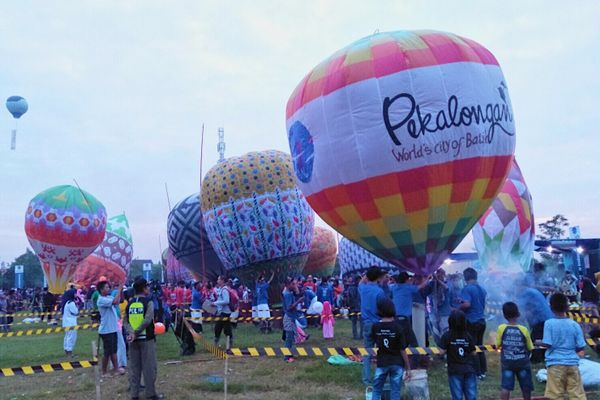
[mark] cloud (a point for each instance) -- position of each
(118, 93)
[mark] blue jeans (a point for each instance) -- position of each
(395, 373)
(356, 325)
(463, 385)
(522, 374)
(369, 343)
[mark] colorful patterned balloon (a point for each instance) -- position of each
(420, 127)
(354, 259)
(188, 239)
(505, 235)
(64, 225)
(174, 270)
(323, 252)
(112, 258)
(257, 219)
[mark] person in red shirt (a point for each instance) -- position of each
(338, 288)
(311, 283)
(187, 297)
(167, 294)
(179, 294)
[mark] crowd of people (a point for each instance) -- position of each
(379, 305)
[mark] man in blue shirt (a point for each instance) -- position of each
(291, 299)
(536, 312)
(196, 307)
(325, 292)
(473, 304)
(403, 295)
(370, 293)
(262, 303)
(108, 324)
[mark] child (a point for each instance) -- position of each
(516, 345)
(564, 339)
(327, 321)
(391, 357)
(70, 313)
(460, 348)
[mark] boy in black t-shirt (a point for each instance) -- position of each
(460, 349)
(391, 357)
(516, 345)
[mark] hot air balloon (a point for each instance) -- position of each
(420, 126)
(323, 252)
(256, 218)
(174, 270)
(64, 225)
(505, 234)
(356, 260)
(188, 240)
(112, 258)
(17, 106)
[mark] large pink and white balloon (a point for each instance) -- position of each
(401, 141)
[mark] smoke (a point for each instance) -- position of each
(509, 283)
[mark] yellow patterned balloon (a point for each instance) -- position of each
(256, 218)
(241, 177)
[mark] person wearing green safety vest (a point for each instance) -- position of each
(139, 324)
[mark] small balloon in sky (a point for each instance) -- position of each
(17, 106)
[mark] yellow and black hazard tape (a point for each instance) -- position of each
(47, 331)
(33, 323)
(258, 319)
(40, 313)
(46, 368)
(348, 351)
(574, 316)
(208, 346)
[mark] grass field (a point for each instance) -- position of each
(257, 378)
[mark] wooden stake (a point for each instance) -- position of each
(96, 370)
(226, 368)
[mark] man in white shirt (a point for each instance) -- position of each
(223, 322)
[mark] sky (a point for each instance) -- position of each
(119, 91)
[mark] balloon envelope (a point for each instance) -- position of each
(356, 260)
(112, 258)
(505, 234)
(17, 106)
(188, 239)
(420, 126)
(174, 270)
(257, 219)
(64, 225)
(323, 252)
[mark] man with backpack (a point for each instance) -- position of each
(222, 303)
(139, 324)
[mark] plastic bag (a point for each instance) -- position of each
(341, 360)
(417, 388)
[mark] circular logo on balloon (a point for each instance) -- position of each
(303, 150)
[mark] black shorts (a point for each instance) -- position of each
(109, 343)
